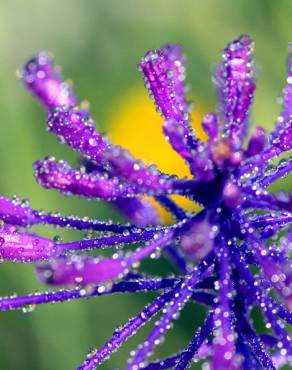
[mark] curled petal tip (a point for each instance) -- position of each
(164, 72)
(234, 80)
(16, 212)
(41, 77)
(24, 247)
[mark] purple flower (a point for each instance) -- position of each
(242, 224)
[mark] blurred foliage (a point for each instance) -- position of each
(99, 44)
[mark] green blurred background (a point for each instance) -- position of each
(99, 43)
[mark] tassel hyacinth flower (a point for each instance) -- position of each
(232, 255)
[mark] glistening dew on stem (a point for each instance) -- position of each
(242, 224)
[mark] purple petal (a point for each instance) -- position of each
(17, 302)
(16, 212)
(60, 176)
(257, 142)
(234, 80)
(81, 270)
(42, 78)
(109, 241)
(159, 241)
(128, 168)
(210, 124)
(24, 247)
(177, 135)
(138, 210)
(224, 357)
(76, 128)
(163, 71)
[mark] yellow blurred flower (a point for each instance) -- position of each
(136, 125)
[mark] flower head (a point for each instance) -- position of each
(242, 224)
